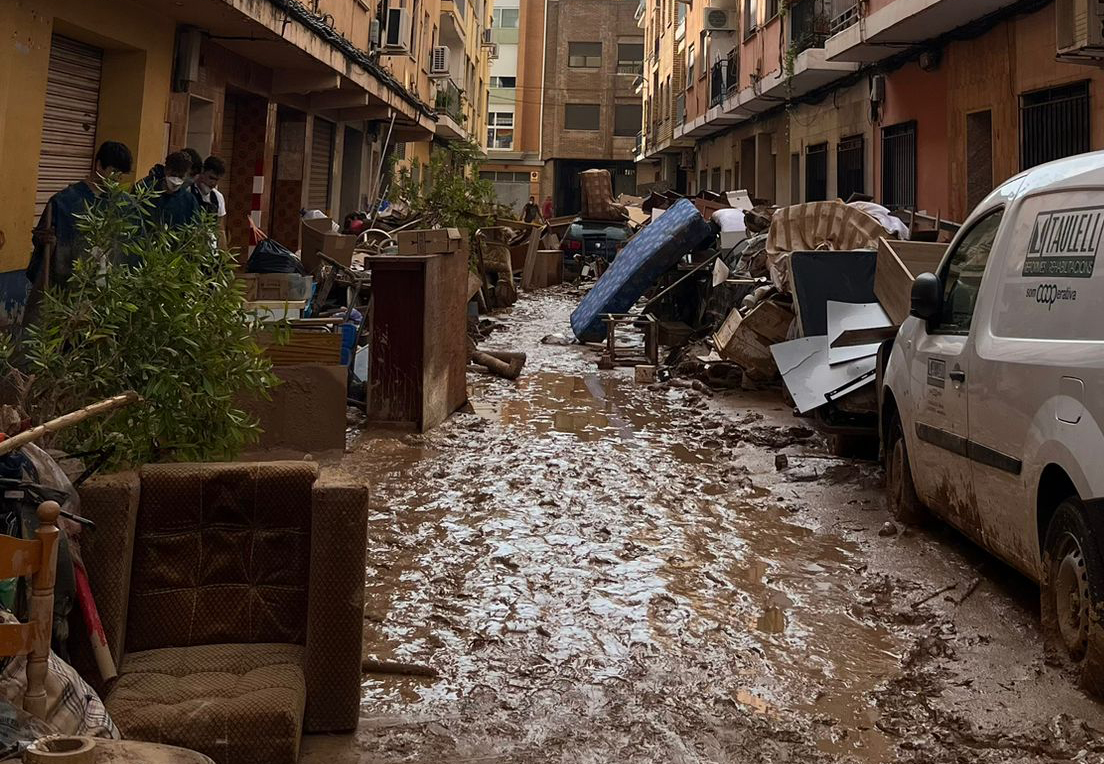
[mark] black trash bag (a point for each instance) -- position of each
(273, 257)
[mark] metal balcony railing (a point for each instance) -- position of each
(638, 147)
(841, 21)
(449, 100)
(732, 70)
(716, 84)
(810, 22)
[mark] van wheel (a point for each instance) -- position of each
(1071, 593)
(903, 503)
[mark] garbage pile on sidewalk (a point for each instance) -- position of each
(741, 293)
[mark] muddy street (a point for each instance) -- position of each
(596, 570)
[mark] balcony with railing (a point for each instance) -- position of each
(449, 104)
(889, 26)
(809, 24)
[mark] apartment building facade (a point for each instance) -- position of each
(591, 109)
(923, 104)
(513, 120)
(449, 65)
(298, 100)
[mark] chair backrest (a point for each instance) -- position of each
(221, 554)
(36, 558)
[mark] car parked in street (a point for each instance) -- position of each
(586, 241)
(992, 395)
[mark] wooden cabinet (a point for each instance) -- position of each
(419, 356)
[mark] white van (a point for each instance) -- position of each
(992, 394)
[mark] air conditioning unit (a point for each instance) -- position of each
(719, 20)
(396, 35)
(439, 62)
(1079, 27)
(493, 54)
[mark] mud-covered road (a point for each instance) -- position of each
(601, 571)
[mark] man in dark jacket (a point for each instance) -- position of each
(175, 205)
(57, 241)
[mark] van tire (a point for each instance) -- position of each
(901, 498)
(1071, 596)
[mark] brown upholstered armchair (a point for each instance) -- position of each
(232, 598)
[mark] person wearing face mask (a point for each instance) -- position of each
(175, 205)
(57, 240)
(208, 195)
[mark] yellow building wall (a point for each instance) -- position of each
(134, 95)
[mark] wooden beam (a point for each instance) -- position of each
(301, 81)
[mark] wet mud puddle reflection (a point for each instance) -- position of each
(578, 552)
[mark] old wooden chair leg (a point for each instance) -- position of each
(42, 609)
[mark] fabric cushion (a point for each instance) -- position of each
(239, 704)
(221, 554)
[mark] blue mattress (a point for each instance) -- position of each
(647, 256)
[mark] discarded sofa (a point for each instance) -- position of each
(232, 599)
(647, 256)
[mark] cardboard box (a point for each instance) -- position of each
(898, 265)
(429, 241)
(317, 236)
(746, 340)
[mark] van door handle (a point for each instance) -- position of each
(957, 375)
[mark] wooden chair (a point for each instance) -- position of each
(36, 558)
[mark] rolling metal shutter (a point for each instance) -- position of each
(69, 124)
(322, 148)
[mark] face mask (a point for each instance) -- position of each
(172, 182)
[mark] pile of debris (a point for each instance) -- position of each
(742, 293)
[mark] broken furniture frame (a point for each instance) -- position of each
(615, 356)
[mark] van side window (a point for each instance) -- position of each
(962, 275)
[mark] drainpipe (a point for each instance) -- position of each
(544, 74)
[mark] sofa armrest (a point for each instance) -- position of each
(335, 610)
(111, 501)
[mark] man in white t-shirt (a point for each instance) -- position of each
(210, 198)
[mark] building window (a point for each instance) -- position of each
(728, 180)
(690, 61)
(400, 151)
(582, 116)
(703, 51)
(626, 119)
(899, 165)
(503, 82)
(680, 13)
(505, 18)
(850, 167)
(1054, 123)
(751, 17)
(584, 55)
(500, 130)
(816, 172)
(703, 180)
(979, 156)
(715, 185)
(630, 58)
(772, 8)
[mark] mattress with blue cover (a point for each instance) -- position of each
(648, 255)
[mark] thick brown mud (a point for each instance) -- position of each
(602, 571)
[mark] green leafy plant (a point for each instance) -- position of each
(157, 311)
(453, 195)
